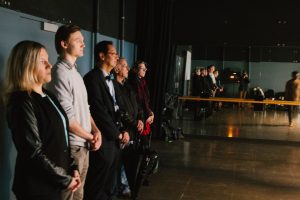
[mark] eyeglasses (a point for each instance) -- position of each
(112, 53)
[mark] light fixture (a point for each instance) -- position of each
(50, 27)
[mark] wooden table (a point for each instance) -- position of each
(239, 100)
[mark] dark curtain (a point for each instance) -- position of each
(154, 45)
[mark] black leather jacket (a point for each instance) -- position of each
(43, 164)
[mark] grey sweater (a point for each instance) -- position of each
(68, 86)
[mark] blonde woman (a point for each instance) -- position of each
(38, 124)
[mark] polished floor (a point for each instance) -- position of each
(243, 123)
(232, 155)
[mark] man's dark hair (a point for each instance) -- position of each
(62, 34)
(101, 47)
(210, 66)
(295, 74)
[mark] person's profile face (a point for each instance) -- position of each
(124, 69)
(142, 70)
(111, 57)
(43, 72)
(216, 73)
(75, 44)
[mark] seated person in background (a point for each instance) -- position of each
(292, 93)
(39, 125)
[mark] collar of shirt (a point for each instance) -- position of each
(212, 77)
(111, 89)
(67, 63)
(104, 73)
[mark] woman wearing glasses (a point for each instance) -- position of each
(137, 80)
(38, 124)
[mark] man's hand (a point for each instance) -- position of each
(76, 173)
(140, 126)
(96, 141)
(75, 182)
(125, 138)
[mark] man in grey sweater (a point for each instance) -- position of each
(68, 86)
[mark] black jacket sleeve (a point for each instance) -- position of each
(23, 124)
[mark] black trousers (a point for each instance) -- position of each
(131, 159)
(102, 173)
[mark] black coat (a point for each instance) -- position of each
(103, 163)
(196, 84)
(102, 105)
(131, 106)
(43, 164)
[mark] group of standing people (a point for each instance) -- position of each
(69, 130)
(206, 83)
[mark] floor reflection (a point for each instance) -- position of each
(248, 124)
(232, 155)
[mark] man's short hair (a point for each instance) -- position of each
(63, 34)
(295, 74)
(210, 66)
(101, 47)
(118, 67)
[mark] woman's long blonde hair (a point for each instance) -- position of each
(22, 66)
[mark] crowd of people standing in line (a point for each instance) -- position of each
(206, 83)
(74, 134)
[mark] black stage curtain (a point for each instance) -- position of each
(154, 45)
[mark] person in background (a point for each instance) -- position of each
(39, 126)
(292, 93)
(196, 91)
(68, 86)
(243, 87)
(204, 84)
(219, 90)
(211, 79)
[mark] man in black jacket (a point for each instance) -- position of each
(103, 97)
(134, 125)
